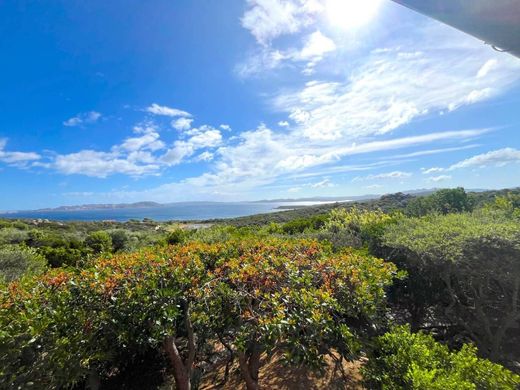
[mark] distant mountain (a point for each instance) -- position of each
(298, 202)
(111, 206)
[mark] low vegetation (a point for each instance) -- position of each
(425, 290)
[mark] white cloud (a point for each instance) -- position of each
(181, 124)
(180, 151)
(208, 138)
(283, 124)
(133, 157)
(439, 178)
(200, 138)
(82, 119)
(19, 159)
(487, 67)
(388, 91)
(166, 111)
(430, 152)
(315, 47)
(498, 158)
(99, 164)
(225, 127)
(268, 19)
(149, 140)
(395, 175)
(326, 183)
(205, 156)
(429, 171)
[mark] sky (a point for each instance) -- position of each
(186, 100)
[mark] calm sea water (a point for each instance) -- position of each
(178, 211)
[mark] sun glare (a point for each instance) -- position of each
(351, 14)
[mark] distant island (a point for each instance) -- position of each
(107, 206)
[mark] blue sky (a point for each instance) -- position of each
(121, 101)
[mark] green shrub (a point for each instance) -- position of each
(62, 256)
(177, 236)
(405, 360)
(12, 236)
(99, 242)
(65, 326)
(442, 202)
(468, 265)
(357, 227)
(120, 240)
(301, 225)
(16, 261)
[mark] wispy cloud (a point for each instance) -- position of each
(395, 175)
(429, 171)
(156, 109)
(389, 91)
(313, 50)
(14, 158)
(325, 183)
(268, 19)
(498, 158)
(82, 119)
(436, 179)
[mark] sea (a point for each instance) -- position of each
(188, 211)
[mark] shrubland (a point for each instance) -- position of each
(290, 296)
(426, 289)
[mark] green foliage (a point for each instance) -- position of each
(301, 225)
(405, 360)
(10, 235)
(223, 233)
(508, 204)
(99, 242)
(177, 236)
(17, 261)
(57, 329)
(357, 227)
(62, 256)
(466, 259)
(441, 202)
(120, 240)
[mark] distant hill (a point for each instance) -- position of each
(137, 205)
(316, 199)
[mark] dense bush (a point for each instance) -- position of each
(99, 242)
(508, 204)
(357, 227)
(404, 360)
(441, 202)
(11, 235)
(301, 225)
(469, 264)
(16, 261)
(67, 326)
(177, 236)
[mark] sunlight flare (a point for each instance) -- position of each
(351, 14)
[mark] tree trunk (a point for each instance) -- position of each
(245, 370)
(181, 375)
(254, 363)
